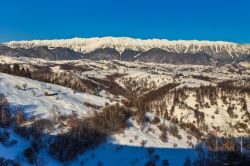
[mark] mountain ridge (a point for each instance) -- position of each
(86, 45)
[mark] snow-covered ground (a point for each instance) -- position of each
(34, 101)
(109, 153)
(122, 148)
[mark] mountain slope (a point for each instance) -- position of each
(162, 56)
(85, 45)
(43, 52)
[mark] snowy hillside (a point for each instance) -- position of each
(119, 112)
(33, 102)
(85, 45)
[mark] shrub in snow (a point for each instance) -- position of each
(187, 162)
(4, 111)
(4, 139)
(9, 143)
(165, 163)
(88, 132)
(23, 131)
(92, 105)
(150, 163)
(19, 118)
(173, 130)
(126, 103)
(156, 120)
(230, 111)
(164, 136)
(200, 116)
(18, 87)
(99, 163)
(216, 111)
(46, 93)
(143, 143)
(30, 154)
(4, 136)
(40, 126)
(24, 86)
(7, 162)
(193, 129)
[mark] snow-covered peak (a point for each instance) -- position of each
(85, 45)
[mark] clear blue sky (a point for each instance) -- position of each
(167, 19)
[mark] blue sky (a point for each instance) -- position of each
(166, 19)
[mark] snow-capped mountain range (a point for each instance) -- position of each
(86, 45)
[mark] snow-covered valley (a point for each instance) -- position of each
(169, 109)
